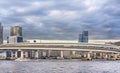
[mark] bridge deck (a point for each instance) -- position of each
(61, 46)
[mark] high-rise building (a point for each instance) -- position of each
(15, 35)
(1, 34)
(16, 31)
(83, 37)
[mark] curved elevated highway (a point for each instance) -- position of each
(74, 47)
(62, 46)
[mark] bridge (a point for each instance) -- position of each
(61, 50)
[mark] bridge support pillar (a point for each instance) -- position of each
(88, 55)
(61, 54)
(102, 55)
(11, 54)
(73, 52)
(115, 56)
(94, 55)
(49, 53)
(21, 55)
(36, 54)
(16, 52)
(44, 54)
(26, 54)
(106, 56)
(5, 56)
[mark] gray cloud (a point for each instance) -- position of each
(64, 19)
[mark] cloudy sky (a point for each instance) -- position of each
(62, 19)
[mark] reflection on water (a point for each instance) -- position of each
(60, 66)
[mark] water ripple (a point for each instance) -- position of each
(46, 66)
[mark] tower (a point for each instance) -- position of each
(83, 37)
(16, 31)
(1, 34)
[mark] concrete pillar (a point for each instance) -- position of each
(11, 54)
(5, 56)
(16, 52)
(118, 56)
(32, 54)
(36, 54)
(73, 52)
(61, 54)
(94, 55)
(106, 56)
(84, 55)
(21, 54)
(40, 54)
(88, 55)
(49, 53)
(44, 53)
(115, 56)
(26, 54)
(102, 55)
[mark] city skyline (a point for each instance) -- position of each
(51, 19)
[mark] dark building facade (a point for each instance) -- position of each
(1, 34)
(16, 31)
(83, 37)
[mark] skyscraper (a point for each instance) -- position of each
(83, 37)
(1, 34)
(16, 31)
(15, 35)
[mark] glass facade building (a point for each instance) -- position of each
(1, 34)
(83, 37)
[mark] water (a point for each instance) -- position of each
(60, 66)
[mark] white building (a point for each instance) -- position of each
(15, 39)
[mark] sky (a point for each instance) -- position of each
(62, 19)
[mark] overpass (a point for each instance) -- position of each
(58, 49)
